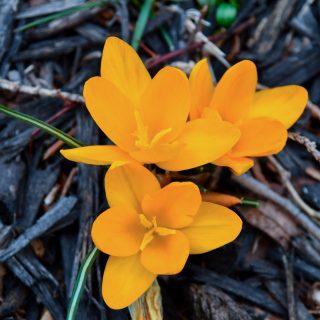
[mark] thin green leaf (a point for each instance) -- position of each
(70, 141)
(80, 283)
(61, 14)
(141, 23)
(167, 38)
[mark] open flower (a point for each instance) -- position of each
(147, 118)
(263, 117)
(149, 231)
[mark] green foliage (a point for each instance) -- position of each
(61, 14)
(141, 23)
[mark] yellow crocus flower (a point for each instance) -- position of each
(263, 117)
(149, 231)
(146, 118)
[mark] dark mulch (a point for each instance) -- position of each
(47, 204)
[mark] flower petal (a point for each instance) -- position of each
(97, 155)
(124, 281)
(111, 110)
(166, 254)
(161, 152)
(213, 227)
(174, 206)
(223, 199)
(235, 91)
(260, 137)
(118, 232)
(201, 86)
(122, 66)
(127, 184)
(284, 104)
(203, 141)
(166, 103)
(237, 165)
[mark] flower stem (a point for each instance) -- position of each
(80, 283)
(68, 140)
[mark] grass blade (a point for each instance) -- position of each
(80, 283)
(61, 14)
(141, 23)
(68, 140)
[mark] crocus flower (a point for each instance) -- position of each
(149, 231)
(263, 117)
(146, 118)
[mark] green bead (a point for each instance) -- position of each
(226, 14)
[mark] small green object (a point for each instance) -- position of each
(226, 14)
(67, 139)
(249, 203)
(80, 283)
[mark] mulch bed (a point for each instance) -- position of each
(47, 204)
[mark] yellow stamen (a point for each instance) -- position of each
(159, 136)
(145, 222)
(142, 140)
(148, 237)
(153, 228)
(142, 136)
(164, 231)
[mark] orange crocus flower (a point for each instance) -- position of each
(263, 117)
(147, 118)
(149, 231)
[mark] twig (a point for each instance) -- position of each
(37, 91)
(216, 37)
(285, 178)
(311, 146)
(48, 220)
(264, 191)
(287, 262)
(314, 109)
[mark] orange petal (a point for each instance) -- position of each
(161, 152)
(284, 104)
(201, 86)
(166, 254)
(127, 184)
(97, 155)
(174, 206)
(122, 66)
(118, 232)
(235, 91)
(124, 281)
(260, 137)
(237, 165)
(225, 200)
(111, 110)
(203, 141)
(166, 103)
(213, 227)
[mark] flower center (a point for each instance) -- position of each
(142, 140)
(152, 228)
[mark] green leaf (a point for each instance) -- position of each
(80, 283)
(226, 14)
(141, 23)
(61, 14)
(67, 139)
